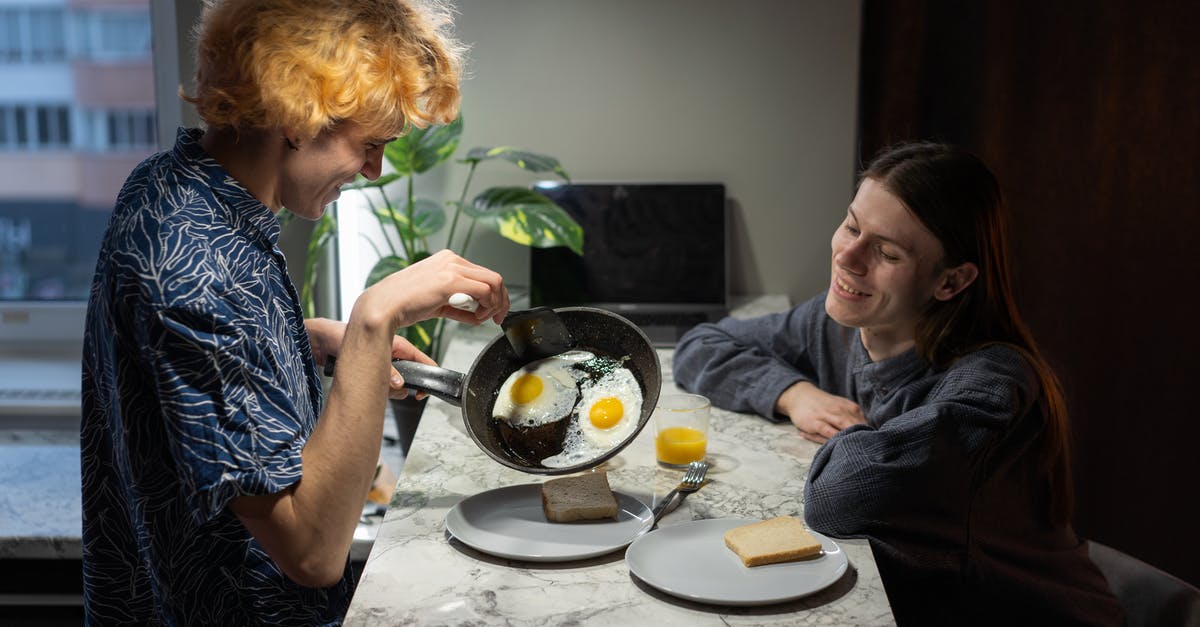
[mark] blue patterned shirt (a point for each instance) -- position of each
(198, 386)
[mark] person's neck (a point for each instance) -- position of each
(251, 157)
(883, 344)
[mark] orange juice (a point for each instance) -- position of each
(680, 445)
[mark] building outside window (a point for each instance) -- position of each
(77, 113)
(33, 34)
(114, 34)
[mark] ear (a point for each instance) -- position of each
(955, 280)
(292, 139)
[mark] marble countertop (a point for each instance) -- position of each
(41, 513)
(40, 510)
(418, 574)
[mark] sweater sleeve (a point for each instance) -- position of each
(919, 469)
(744, 365)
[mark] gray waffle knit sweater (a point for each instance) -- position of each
(942, 480)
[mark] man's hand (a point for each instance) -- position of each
(308, 528)
(817, 414)
(325, 337)
(403, 349)
(422, 291)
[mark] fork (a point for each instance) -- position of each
(693, 480)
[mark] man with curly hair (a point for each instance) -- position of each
(219, 485)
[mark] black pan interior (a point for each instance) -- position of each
(596, 330)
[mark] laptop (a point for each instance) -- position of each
(655, 253)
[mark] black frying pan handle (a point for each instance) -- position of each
(440, 382)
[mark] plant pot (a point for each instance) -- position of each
(407, 413)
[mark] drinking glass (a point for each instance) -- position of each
(680, 429)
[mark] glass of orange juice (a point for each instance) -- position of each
(680, 429)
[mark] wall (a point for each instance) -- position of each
(760, 96)
(113, 85)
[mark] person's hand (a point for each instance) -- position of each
(403, 349)
(325, 338)
(817, 414)
(422, 291)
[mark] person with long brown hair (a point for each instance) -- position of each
(221, 485)
(944, 431)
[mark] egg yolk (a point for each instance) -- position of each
(606, 412)
(526, 388)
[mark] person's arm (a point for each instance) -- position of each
(308, 528)
(924, 461)
(745, 364)
(325, 338)
(770, 365)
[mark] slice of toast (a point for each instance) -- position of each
(579, 497)
(780, 539)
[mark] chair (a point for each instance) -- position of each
(1150, 596)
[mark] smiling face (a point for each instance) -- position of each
(886, 268)
(313, 174)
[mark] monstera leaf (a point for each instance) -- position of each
(421, 149)
(428, 218)
(523, 159)
(409, 223)
(421, 334)
(385, 266)
(526, 217)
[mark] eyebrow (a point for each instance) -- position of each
(892, 241)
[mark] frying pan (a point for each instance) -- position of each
(596, 330)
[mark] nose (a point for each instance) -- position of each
(851, 256)
(373, 166)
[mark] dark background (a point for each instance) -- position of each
(1089, 114)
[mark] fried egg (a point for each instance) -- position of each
(539, 392)
(609, 410)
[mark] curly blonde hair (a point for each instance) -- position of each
(306, 65)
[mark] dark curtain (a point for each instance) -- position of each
(1089, 114)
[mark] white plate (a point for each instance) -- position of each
(690, 561)
(509, 522)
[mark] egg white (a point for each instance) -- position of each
(617, 389)
(584, 440)
(559, 392)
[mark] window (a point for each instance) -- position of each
(54, 208)
(131, 129)
(115, 35)
(33, 35)
(48, 37)
(53, 126)
(75, 119)
(10, 36)
(15, 236)
(35, 127)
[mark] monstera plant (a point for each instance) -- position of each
(519, 214)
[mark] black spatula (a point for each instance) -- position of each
(533, 333)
